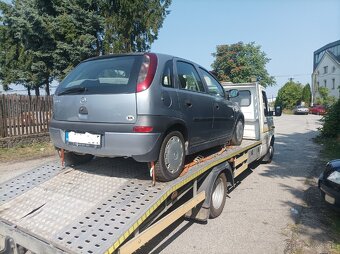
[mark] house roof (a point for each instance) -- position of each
(332, 56)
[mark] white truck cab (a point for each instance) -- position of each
(259, 124)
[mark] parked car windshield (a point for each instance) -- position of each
(100, 76)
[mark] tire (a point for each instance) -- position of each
(238, 133)
(218, 196)
(269, 155)
(72, 159)
(171, 157)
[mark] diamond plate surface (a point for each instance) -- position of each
(23, 183)
(52, 205)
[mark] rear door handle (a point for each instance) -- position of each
(217, 106)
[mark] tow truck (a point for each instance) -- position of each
(112, 205)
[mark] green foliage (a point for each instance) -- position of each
(289, 95)
(241, 63)
(306, 94)
(331, 121)
(325, 98)
(43, 40)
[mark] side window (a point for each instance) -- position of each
(243, 99)
(214, 88)
(167, 75)
(188, 77)
(265, 103)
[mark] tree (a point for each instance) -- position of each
(325, 98)
(49, 38)
(306, 94)
(289, 95)
(331, 121)
(241, 62)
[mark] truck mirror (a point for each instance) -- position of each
(278, 111)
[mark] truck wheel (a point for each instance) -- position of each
(171, 157)
(218, 196)
(71, 158)
(269, 155)
(238, 133)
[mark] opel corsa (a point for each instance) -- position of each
(151, 107)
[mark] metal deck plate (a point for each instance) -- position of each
(24, 182)
(93, 208)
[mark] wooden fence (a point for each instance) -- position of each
(24, 115)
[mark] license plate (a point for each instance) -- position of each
(329, 199)
(83, 138)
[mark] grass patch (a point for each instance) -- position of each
(288, 111)
(330, 148)
(26, 152)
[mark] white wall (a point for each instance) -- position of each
(331, 74)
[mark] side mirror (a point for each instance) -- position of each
(233, 93)
(278, 111)
(270, 113)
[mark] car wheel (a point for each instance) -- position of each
(238, 133)
(72, 159)
(171, 157)
(218, 196)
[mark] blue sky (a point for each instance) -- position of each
(289, 32)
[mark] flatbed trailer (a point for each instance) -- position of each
(107, 205)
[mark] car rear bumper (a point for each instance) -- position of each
(143, 147)
(329, 195)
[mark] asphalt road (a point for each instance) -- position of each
(260, 212)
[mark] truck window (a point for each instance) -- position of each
(265, 103)
(243, 99)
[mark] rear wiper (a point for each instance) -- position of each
(77, 89)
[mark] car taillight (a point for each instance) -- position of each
(143, 129)
(147, 72)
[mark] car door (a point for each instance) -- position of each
(195, 103)
(223, 122)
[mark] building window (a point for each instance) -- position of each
(333, 69)
(325, 83)
(333, 83)
(325, 69)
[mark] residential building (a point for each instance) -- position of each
(326, 69)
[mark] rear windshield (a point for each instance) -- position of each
(243, 99)
(110, 75)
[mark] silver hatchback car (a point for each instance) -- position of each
(151, 107)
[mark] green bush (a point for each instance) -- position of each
(331, 121)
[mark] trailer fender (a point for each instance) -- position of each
(202, 213)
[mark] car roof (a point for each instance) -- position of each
(159, 55)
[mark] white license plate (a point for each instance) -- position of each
(329, 199)
(83, 138)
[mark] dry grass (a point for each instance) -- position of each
(27, 152)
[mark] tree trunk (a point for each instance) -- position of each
(37, 92)
(29, 91)
(47, 85)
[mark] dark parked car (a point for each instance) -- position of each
(329, 183)
(151, 107)
(317, 110)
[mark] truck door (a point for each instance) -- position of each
(267, 124)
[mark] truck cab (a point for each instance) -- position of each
(259, 124)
